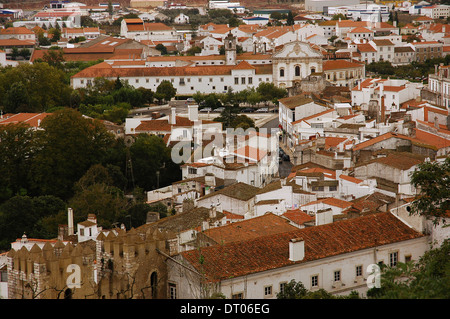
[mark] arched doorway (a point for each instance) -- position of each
(154, 284)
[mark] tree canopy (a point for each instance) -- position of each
(432, 179)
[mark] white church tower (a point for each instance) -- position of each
(230, 49)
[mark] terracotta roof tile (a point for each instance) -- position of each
(340, 64)
(240, 191)
(267, 224)
(298, 216)
(270, 252)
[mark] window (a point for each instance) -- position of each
(337, 275)
(242, 80)
(237, 296)
(137, 80)
(332, 188)
(315, 281)
(393, 259)
(236, 80)
(297, 70)
(268, 291)
(358, 270)
(210, 79)
(281, 72)
(282, 286)
(172, 291)
(407, 258)
(81, 231)
(250, 80)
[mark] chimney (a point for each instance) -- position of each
(296, 249)
(70, 221)
(213, 212)
(92, 218)
(193, 112)
(324, 216)
(173, 119)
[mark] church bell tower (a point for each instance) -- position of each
(230, 49)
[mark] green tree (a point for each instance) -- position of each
(193, 50)
(270, 92)
(54, 57)
(67, 146)
(242, 121)
(16, 156)
(95, 193)
(432, 179)
(161, 48)
(428, 278)
(290, 18)
(166, 90)
(56, 33)
(46, 86)
(21, 214)
(16, 99)
(149, 155)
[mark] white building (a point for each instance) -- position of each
(186, 79)
(393, 91)
(321, 257)
(293, 62)
(436, 11)
(322, 5)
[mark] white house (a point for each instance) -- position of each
(186, 79)
(88, 230)
(238, 198)
(337, 257)
(181, 19)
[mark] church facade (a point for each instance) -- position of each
(293, 62)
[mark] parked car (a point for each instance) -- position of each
(206, 109)
(219, 109)
(248, 110)
(262, 110)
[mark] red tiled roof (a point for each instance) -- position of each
(365, 47)
(340, 64)
(361, 30)
(333, 141)
(298, 216)
(251, 152)
(16, 30)
(32, 119)
(351, 179)
(267, 224)
(379, 139)
(105, 70)
(270, 252)
(331, 201)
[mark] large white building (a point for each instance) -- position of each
(322, 5)
(321, 257)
